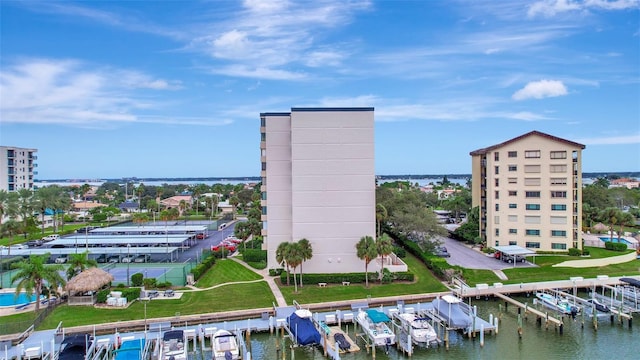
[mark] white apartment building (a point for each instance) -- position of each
(318, 183)
(16, 168)
(529, 191)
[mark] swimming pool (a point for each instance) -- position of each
(615, 240)
(9, 299)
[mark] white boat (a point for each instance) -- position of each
(172, 346)
(453, 310)
(374, 323)
(225, 346)
(422, 333)
(559, 304)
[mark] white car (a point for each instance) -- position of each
(128, 259)
(61, 259)
(51, 237)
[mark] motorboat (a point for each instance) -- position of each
(598, 305)
(374, 323)
(452, 310)
(225, 346)
(422, 332)
(130, 350)
(301, 326)
(172, 346)
(560, 304)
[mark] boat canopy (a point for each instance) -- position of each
(631, 281)
(377, 316)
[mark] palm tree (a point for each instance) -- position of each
(234, 201)
(281, 256)
(4, 198)
(79, 263)
(33, 273)
(45, 199)
(140, 218)
(381, 215)
(294, 258)
(366, 251)
(384, 247)
(182, 206)
(624, 219)
(611, 217)
(306, 250)
(10, 228)
(25, 207)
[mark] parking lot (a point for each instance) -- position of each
(464, 256)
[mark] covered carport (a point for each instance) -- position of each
(515, 250)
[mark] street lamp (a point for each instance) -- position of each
(128, 262)
(145, 300)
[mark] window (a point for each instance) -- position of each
(497, 207)
(558, 154)
(264, 210)
(532, 232)
(561, 220)
(512, 218)
(558, 181)
(559, 194)
(513, 154)
(263, 137)
(513, 167)
(560, 233)
(513, 231)
(532, 207)
(496, 219)
(263, 122)
(558, 168)
(532, 194)
(264, 195)
(497, 181)
(558, 246)
(532, 154)
(558, 207)
(533, 245)
(532, 169)
(264, 166)
(496, 156)
(513, 180)
(513, 206)
(497, 170)
(497, 232)
(513, 193)
(532, 219)
(497, 194)
(513, 242)
(532, 181)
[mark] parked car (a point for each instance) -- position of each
(442, 251)
(61, 259)
(34, 243)
(102, 258)
(229, 246)
(128, 259)
(200, 236)
(51, 237)
(113, 258)
(142, 258)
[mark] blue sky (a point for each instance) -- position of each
(107, 89)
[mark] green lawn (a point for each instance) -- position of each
(425, 283)
(226, 271)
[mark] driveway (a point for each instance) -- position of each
(472, 259)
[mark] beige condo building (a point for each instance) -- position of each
(529, 191)
(318, 183)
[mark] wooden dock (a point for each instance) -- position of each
(538, 313)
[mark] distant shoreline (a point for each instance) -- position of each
(585, 175)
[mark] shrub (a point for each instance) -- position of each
(615, 246)
(102, 296)
(254, 255)
(585, 252)
(137, 279)
(149, 283)
(574, 252)
(400, 251)
(275, 272)
(164, 285)
(207, 262)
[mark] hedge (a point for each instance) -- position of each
(339, 278)
(208, 260)
(254, 255)
(615, 246)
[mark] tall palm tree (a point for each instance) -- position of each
(234, 201)
(381, 215)
(366, 251)
(79, 263)
(611, 217)
(294, 259)
(624, 219)
(140, 218)
(281, 256)
(182, 207)
(4, 199)
(384, 247)
(33, 273)
(45, 199)
(306, 250)
(25, 207)
(10, 228)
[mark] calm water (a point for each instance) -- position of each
(616, 341)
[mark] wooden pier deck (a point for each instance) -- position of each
(530, 309)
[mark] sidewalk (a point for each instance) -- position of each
(269, 279)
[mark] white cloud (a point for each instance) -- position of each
(68, 92)
(541, 89)
(550, 8)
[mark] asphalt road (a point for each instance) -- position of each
(472, 259)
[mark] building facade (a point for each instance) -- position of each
(318, 183)
(17, 168)
(529, 191)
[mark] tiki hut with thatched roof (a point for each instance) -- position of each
(82, 288)
(599, 227)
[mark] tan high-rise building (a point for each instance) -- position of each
(16, 168)
(529, 191)
(318, 183)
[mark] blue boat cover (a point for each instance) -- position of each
(130, 350)
(377, 316)
(303, 329)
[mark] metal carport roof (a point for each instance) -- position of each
(514, 250)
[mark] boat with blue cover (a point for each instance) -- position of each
(374, 323)
(302, 327)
